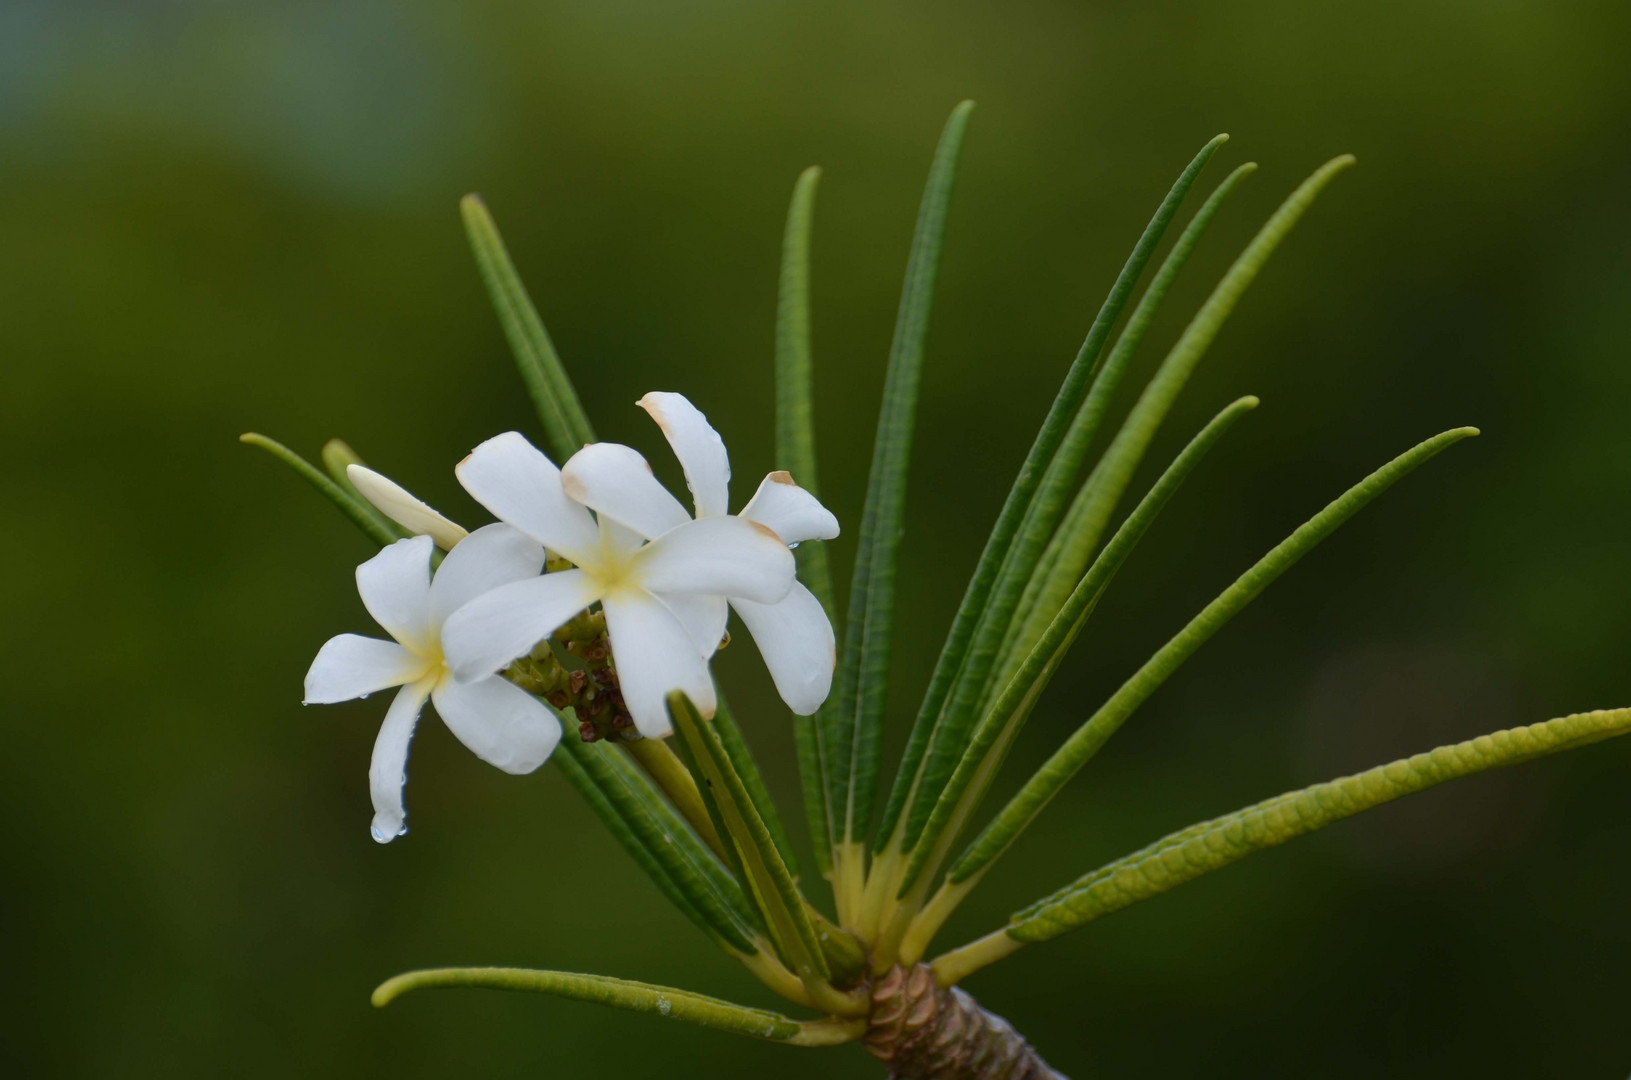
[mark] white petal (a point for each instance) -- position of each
(388, 771)
(727, 556)
(493, 555)
(353, 666)
(395, 588)
(797, 644)
(513, 479)
(791, 512)
(501, 723)
(614, 481)
(654, 655)
(698, 446)
(704, 618)
(618, 542)
(397, 503)
(498, 626)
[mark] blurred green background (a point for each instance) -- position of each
(216, 218)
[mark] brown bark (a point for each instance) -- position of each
(927, 1032)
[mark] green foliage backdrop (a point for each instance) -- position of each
(220, 218)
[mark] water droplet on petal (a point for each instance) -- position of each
(384, 830)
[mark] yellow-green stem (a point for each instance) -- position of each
(831, 1032)
(957, 965)
(927, 923)
(882, 880)
(764, 966)
(886, 950)
(669, 773)
(845, 1003)
(849, 883)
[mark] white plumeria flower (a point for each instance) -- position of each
(642, 588)
(500, 723)
(403, 507)
(793, 634)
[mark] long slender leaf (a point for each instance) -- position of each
(1066, 404)
(796, 454)
(981, 677)
(565, 424)
(602, 990)
(1041, 525)
(637, 815)
(863, 675)
(1087, 739)
(1002, 721)
(736, 748)
(1212, 845)
(1087, 520)
(360, 513)
(772, 883)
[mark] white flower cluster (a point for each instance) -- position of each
(664, 579)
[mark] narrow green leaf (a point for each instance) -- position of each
(1212, 845)
(359, 512)
(773, 883)
(1097, 501)
(337, 456)
(639, 817)
(809, 745)
(736, 748)
(796, 454)
(602, 990)
(1041, 524)
(1083, 372)
(863, 675)
(795, 408)
(1001, 723)
(1086, 741)
(565, 424)
(980, 677)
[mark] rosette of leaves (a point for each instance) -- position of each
(900, 859)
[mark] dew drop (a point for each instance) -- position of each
(384, 835)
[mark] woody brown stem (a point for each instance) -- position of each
(924, 1031)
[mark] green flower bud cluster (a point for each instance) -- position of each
(572, 669)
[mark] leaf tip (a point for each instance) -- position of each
(386, 992)
(1340, 163)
